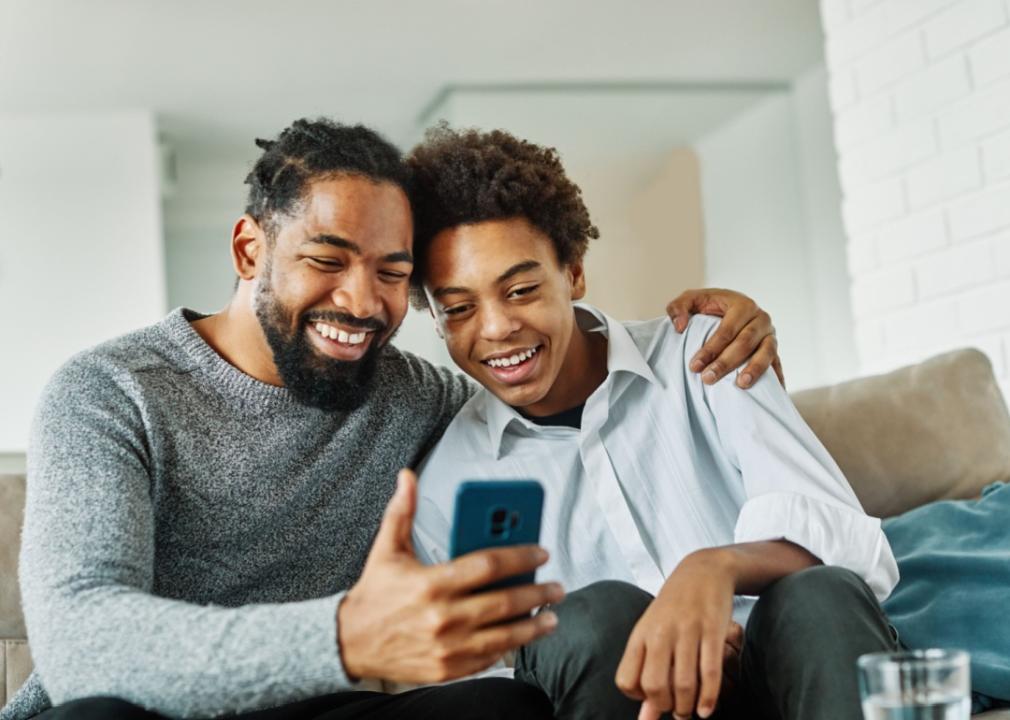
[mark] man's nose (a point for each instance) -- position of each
(358, 294)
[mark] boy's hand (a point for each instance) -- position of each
(674, 657)
(413, 623)
(744, 335)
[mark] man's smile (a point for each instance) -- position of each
(340, 343)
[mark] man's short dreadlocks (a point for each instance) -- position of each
(312, 149)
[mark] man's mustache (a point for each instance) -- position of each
(372, 324)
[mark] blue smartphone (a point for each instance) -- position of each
(497, 513)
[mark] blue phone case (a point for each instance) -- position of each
(497, 513)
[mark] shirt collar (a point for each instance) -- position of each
(623, 356)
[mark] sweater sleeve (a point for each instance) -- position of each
(87, 577)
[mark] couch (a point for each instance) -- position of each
(935, 430)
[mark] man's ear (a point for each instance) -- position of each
(577, 280)
(248, 247)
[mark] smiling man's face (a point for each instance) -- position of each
(334, 289)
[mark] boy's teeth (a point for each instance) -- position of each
(513, 360)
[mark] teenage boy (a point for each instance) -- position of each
(670, 503)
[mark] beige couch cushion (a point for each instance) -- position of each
(15, 667)
(12, 502)
(939, 429)
(15, 660)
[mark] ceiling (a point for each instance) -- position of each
(218, 72)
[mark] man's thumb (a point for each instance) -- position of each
(394, 533)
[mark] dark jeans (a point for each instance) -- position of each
(798, 661)
(493, 698)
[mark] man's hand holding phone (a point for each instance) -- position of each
(408, 622)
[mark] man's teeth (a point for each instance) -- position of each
(513, 360)
(328, 331)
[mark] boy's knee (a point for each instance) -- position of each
(601, 616)
(575, 665)
(810, 603)
(595, 621)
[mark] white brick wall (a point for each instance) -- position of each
(920, 91)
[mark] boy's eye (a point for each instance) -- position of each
(524, 290)
(326, 262)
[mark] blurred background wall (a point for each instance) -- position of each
(703, 135)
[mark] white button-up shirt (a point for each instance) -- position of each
(663, 465)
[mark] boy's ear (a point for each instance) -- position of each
(438, 326)
(247, 247)
(577, 280)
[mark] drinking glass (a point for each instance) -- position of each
(915, 685)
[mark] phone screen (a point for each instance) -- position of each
(497, 513)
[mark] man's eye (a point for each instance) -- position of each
(326, 262)
(392, 275)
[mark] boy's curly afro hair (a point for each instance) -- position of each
(462, 177)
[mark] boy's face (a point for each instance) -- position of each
(502, 302)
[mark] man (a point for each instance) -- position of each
(203, 493)
(685, 499)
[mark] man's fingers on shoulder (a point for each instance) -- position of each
(764, 357)
(777, 366)
(687, 302)
(715, 371)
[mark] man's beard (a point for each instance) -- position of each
(314, 379)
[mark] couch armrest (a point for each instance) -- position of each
(15, 666)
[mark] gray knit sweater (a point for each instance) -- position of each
(189, 530)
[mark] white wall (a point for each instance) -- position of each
(80, 245)
(921, 99)
(755, 234)
(773, 226)
(207, 197)
(823, 230)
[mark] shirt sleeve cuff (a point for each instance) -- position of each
(837, 535)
